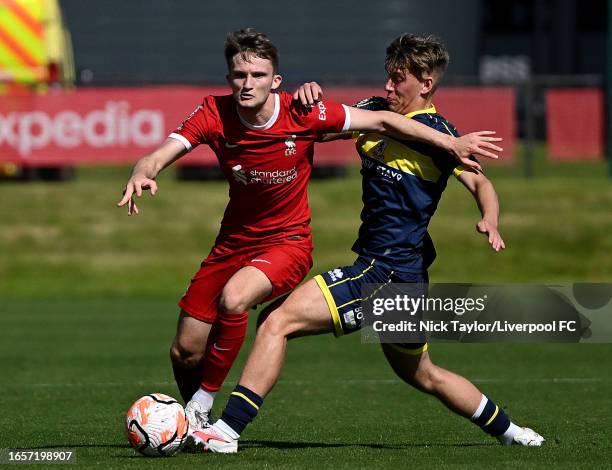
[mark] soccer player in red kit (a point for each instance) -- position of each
(264, 142)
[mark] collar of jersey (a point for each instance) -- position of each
(430, 110)
(270, 122)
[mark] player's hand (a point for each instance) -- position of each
(478, 144)
(490, 229)
(135, 186)
(308, 94)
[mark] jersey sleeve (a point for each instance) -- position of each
(442, 159)
(196, 128)
(373, 103)
(458, 168)
(327, 117)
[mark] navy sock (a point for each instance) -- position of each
(493, 420)
(241, 408)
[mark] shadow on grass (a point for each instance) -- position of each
(75, 446)
(313, 445)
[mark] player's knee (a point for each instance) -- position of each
(276, 323)
(184, 357)
(233, 301)
(428, 378)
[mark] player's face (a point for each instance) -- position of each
(405, 92)
(252, 80)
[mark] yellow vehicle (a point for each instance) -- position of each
(35, 47)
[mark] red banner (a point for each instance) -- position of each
(113, 125)
(102, 125)
(575, 123)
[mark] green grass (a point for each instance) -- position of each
(88, 309)
(60, 240)
(72, 368)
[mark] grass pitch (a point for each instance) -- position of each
(88, 310)
(72, 368)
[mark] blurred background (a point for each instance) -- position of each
(88, 296)
(113, 77)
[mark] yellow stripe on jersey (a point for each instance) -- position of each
(430, 110)
(245, 398)
(446, 127)
(333, 310)
(402, 157)
(399, 156)
(458, 170)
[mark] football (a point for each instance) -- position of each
(156, 425)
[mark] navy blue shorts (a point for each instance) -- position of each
(342, 290)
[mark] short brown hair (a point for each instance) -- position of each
(420, 55)
(250, 42)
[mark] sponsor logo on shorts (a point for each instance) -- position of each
(352, 317)
(219, 348)
(349, 319)
(260, 261)
(336, 274)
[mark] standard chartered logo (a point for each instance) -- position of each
(113, 125)
(274, 176)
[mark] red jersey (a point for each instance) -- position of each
(268, 166)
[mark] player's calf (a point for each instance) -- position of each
(187, 352)
(416, 368)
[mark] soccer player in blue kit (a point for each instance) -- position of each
(402, 185)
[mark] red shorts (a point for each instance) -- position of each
(284, 263)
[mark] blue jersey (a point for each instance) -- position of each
(402, 185)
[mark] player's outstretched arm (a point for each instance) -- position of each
(309, 94)
(476, 143)
(484, 193)
(462, 148)
(146, 170)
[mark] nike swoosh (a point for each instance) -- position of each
(231, 146)
(220, 349)
(208, 437)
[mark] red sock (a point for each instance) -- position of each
(224, 343)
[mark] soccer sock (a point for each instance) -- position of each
(224, 343)
(492, 419)
(187, 380)
(241, 409)
(204, 398)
